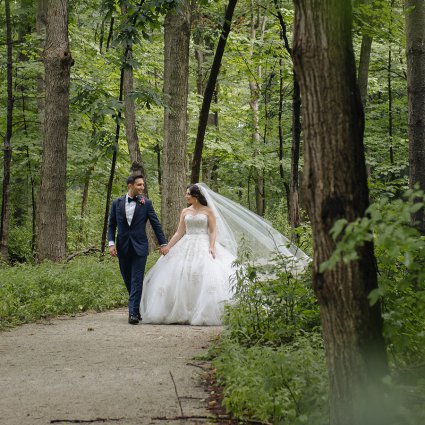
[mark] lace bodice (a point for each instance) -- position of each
(196, 224)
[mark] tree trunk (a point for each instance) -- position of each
(5, 206)
(257, 22)
(52, 196)
(294, 200)
(209, 91)
(335, 179)
(415, 37)
(113, 165)
(40, 26)
(293, 192)
(390, 105)
(176, 75)
(130, 109)
(363, 73)
(84, 202)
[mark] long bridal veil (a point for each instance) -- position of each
(238, 226)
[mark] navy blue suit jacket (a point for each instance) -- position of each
(136, 232)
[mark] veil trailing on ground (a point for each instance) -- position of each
(238, 226)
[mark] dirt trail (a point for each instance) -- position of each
(96, 368)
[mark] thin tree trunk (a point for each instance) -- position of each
(5, 207)
(40, 26)
(363, 73)
(209, 91)
(130, 109)
(255, 92)
(390, 105)
(84, 203)
(294, 202)
(31, 176)
(176, 75)
(52, 196)
(293, 196)
(336, 183)
(113, 165)
(110, 33)
(415, 36)
(280, 130)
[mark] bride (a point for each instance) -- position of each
(191, 283)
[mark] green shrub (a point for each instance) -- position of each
(400, 253)
(284, 385)
(270, 307)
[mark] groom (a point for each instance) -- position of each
(129, 214)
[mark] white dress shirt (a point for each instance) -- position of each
(129, 213)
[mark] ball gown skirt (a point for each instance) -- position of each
(188, 285)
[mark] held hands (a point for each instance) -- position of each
(164, 250)
(212, 251)
(113, 251)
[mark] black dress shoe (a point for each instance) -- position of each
(139, 317)
(133, 319)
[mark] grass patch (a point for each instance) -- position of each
(32, 292)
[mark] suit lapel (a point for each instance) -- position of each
(137, 212)
(121, 206)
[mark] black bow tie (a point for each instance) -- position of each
(131, 200)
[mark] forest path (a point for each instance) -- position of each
(96, 368)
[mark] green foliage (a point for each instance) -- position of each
(29, 292)
(286, 385)
(400, 253)
(270, 309)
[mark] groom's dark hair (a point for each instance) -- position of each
(131, 179)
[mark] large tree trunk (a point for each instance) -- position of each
(335, 179)
(209, 92)
(52, 196)
(176, 74)
(415, 36)
(5, 206)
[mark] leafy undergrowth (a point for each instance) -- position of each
(284, 385)
(32, 292)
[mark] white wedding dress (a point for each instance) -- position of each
(188, 285)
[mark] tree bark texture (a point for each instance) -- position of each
(415, 37)
(7, 159)
(52, 195)
(209, 91)
(176, 73)
(336, 186)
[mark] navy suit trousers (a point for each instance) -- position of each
(132, 267)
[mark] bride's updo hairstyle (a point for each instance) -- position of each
(196, 193)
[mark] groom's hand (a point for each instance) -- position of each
(113, 251)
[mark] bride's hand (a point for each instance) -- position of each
(212, 252)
